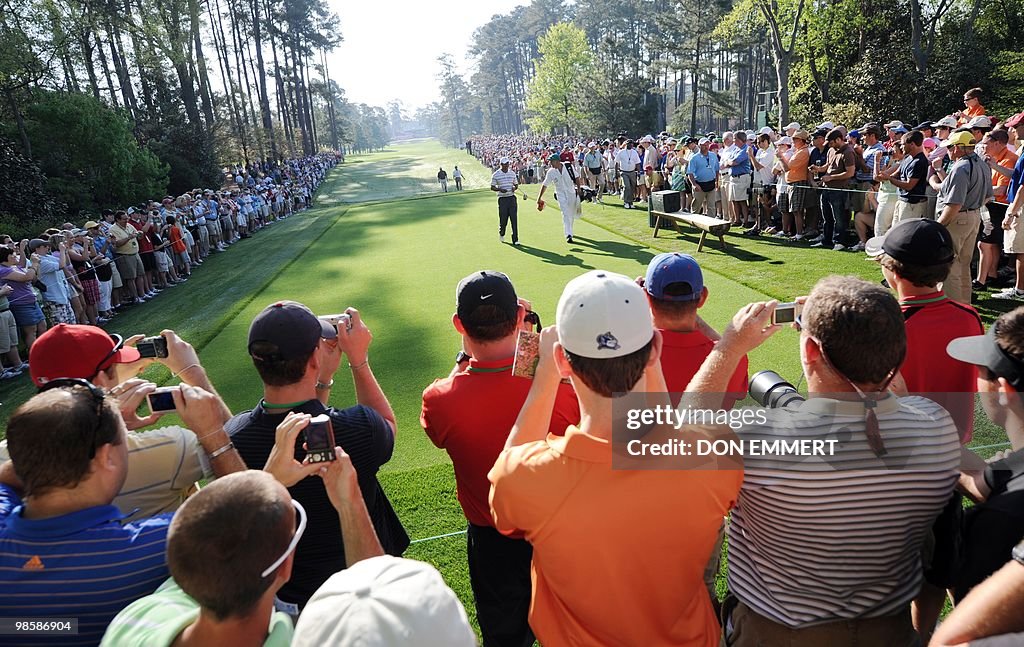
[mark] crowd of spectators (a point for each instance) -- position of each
(830, 185)
(571, 540)
(230, 529)
(121, 258)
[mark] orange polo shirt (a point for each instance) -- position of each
(1007, 159)
(618, 555)
(798, 164)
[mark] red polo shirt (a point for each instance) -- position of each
(470, 415)
(933, 320)
(682, 354)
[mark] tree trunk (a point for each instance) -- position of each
(147, 88)
(782, 65)
(694, 87)
(268, 124)
(219, 45)
(204, 79)
(26, 145)
(87, 59)
(121, 68)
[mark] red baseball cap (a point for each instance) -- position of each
(68, 350)
(1015, 120)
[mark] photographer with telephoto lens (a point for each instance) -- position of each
(787, 582)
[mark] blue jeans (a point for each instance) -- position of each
(835, 217)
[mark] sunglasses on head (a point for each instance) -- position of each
(77, 383)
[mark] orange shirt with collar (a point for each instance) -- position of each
(618, 555)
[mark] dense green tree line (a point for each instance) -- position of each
(113, 101)
(689, 65)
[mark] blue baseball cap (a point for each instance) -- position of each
(676, 270)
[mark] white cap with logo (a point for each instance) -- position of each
(384, 601)
(603, 315)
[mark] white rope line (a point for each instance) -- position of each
(450, 534)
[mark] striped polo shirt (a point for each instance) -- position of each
(820, 539)
(505, 182)
(83, 565)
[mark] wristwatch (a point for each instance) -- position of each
(462, 356)
(1018, 553)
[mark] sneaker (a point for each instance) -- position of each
(9, 374)
(753, 231)
(1009, 293)
(839, 248)
(501, 238)
(516, 243)
(817, 239)
(771, 231)
(798, 237)
(859, 247)
(811, 233)
(568, 239)
(818, 244)
(139, 300)
(625, 205)
(780, 234)
(978, 286)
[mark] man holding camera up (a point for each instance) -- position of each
(65, 551)
(618, 555)
(799, 572)
(163, 463)
(296, 355)
(469, 414)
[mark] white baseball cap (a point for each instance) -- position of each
(826, 125)
(384, 601)
(603, 315)
(787, 140)
(766, 130)
(948, 122)
(505, 160)
(980, 122)
(647, 138)
(792, 126)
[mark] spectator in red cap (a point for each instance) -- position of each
(164, 463)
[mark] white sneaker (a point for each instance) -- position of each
(798, 237)
(839, 248)
(1009, 293)
(817, 239)
(501, 238)
(859, 247)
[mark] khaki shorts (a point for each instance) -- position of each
(130, 266)
(115, 277)
(738, 187)
(8, 331)
(1013, 238)
(859, 197)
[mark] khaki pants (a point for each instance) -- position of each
(908, 211)
(964, 230)
(701, 197)
(748, 629)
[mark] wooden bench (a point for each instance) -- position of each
(706, 225)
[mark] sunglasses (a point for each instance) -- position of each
(301, 514)
(97, 397)
(118, 345)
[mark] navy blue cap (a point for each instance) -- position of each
(677, 270)
(289, 329)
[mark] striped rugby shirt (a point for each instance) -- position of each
(83, 565)
(821, 539)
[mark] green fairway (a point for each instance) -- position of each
(382, 238)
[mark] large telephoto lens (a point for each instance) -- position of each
(769, 390)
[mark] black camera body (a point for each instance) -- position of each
(152, 347)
